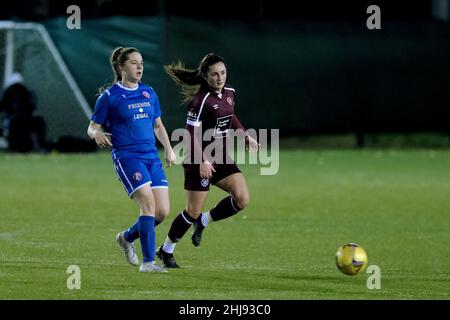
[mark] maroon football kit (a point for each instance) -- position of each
(210, 117)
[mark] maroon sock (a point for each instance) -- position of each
(227, 207)
(180, 226)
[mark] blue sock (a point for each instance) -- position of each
(146, 225)
(133, 233)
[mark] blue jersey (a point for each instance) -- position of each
(129, 115)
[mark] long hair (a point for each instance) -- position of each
(191, 80)
(118, 57)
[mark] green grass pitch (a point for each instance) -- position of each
(61, 210)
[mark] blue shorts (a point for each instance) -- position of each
(135, 173)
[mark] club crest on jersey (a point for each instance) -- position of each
(137, 176)
(230, 101)
(146, 94)
(204, 182)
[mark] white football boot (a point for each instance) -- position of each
(151, 267)
(128, 249)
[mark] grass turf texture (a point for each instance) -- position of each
(59, 210)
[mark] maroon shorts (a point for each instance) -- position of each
(193, 181)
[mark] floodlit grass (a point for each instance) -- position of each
(61, 210)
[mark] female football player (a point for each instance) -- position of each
(127, 117)
(211, 106)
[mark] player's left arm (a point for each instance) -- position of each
(163, 137)
(250, 143)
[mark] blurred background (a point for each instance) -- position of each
(363, 117)
(311, 69)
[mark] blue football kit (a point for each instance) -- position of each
(129, 114)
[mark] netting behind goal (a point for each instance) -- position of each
(26, 48)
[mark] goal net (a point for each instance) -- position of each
(27, 48)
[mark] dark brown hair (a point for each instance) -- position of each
(118, 57)
(190, 80)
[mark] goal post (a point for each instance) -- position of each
(27, 48)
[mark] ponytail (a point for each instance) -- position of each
(190, 80)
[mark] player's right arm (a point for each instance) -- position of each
(95, 131)
(99, 116)
(206, 170)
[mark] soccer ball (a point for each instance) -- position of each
(351, 259)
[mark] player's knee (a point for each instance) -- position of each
(242, 200)
(194, 211)
(162, 212)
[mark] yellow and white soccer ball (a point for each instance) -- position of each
(351, 259)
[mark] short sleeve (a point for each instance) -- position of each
(101, 109)
(195, 111)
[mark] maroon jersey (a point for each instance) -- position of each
(213, 114)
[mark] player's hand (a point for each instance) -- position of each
(251, 144)
(102, 139)
(170, 157)
(206, 170)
